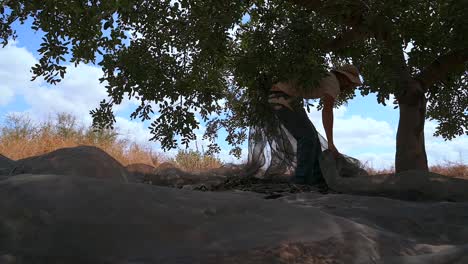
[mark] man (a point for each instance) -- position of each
(286, 99)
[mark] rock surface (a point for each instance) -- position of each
(166, 165)
(6, 165)
(138, 171)
(174, 177)
(54, 219)
(5, 161)
(409, 185)
(85, 161)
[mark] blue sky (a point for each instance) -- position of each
(363, 129)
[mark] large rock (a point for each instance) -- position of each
(85, 161)
(137, 172)
(228, 170)
(166, 165)
(53, 219)
(5, 161)
(408, 185)
(432, 223)
(171, 176)
(6, 165)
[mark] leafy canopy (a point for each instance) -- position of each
(219, 57)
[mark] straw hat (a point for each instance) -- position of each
(351, 72)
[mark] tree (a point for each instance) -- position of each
(434, 72)
(220, 57)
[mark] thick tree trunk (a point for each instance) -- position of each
(410, 146)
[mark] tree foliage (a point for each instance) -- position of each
(218, 58)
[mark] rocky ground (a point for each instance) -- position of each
(78, 205)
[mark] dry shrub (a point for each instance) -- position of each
(193, 160)
(452, 169)
(128, 152)
(21, 138)
(373, 171)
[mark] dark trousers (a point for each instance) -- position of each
(308, 144)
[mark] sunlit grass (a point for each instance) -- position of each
(452, 169)
(20, 138)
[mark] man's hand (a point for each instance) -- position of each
(334, 151)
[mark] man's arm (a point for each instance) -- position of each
(327, 120)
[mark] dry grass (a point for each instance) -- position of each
(451, 169)
(21, 138)
(191, 160)
(373, 171)
(23, 148)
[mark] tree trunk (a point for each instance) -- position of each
(410, 145)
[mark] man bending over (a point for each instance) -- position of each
(286, 99)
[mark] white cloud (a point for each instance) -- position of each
(78, 93)
(228, 158)
(15, 65)
(355, 134)
(440, 151)
(7, 95)
(14, 61)
(389, 102)
(133, 130)
(377, 161)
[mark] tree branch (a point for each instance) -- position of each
(331, 9)
(442, 66)
(346, 39)
(334, 9)
(309, 4)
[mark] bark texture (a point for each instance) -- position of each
(410, 146)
